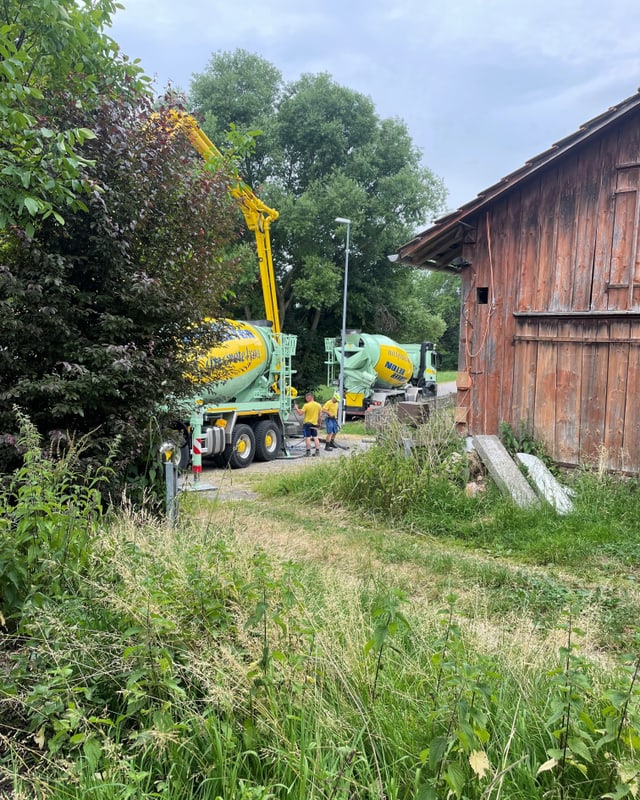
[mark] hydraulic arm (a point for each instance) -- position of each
(257, 215)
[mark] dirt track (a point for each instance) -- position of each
(236, 484)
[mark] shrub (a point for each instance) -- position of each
(47, 516)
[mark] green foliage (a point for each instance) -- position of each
(522, 440)
(405, 471)
(113, 238)
(388, 622)
(47, 47)
(190, 667)
(48, 516)
(94, 312)
(239, 90)
(432, 312)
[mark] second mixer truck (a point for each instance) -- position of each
(378, 371)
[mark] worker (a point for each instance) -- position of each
(330, 411)
(310, 413)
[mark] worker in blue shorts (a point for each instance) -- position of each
(330, 412)
(310, 413)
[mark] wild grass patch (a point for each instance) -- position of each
(188, 664)
(204, 669)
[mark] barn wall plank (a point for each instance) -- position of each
(631, 437)
(568, 391)
(525, 365)
(604, 236)
(588, 188)
(548, 212)
(545, 384)
(616, 394)
(563, 257)
(512, 256)
(594, 387)
(528, 234)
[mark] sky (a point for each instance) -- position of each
(482, 85)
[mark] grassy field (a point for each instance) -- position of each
(353, 628)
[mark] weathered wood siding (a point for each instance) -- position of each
(550, 326)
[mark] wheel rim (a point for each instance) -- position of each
(243, 446)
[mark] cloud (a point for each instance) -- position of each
(483, 85)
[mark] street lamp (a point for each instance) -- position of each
(341, 409)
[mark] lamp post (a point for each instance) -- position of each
(341, 409)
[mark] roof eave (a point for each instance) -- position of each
(437, 247)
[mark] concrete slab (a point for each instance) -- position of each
(504, 471)
(197, 486)
(546, 484)
(413, 413)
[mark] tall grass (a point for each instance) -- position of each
(532, 562)
(203, 670)
(186, 664)
(417, 479)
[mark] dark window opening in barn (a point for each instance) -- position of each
(482, 294)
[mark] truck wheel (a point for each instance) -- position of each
(240, 452)
(185, 456)
(182, 440)
(268, 440)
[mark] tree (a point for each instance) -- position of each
(239, 90)
(325, 153)
(438, 293)
(47, 47)
(93, 314)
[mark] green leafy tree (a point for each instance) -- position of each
(438, 294)
(418, 323)
(240, 90)
(324, 153)
(93, 313)
(47, 46)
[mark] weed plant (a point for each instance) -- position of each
(48, 518)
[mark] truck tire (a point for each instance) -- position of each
(268, 440)
(182, 439)
(240, 452)
(185, 456)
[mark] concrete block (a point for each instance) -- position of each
(504, 471)
(413, 413)
(547, 486)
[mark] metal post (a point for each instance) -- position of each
(341, 408)
(171, 457)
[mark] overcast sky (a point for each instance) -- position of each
(483, 85)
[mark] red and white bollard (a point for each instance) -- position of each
(196, 458)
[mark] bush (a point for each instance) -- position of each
(407, 469)
(47, 518)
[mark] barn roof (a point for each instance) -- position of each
(440, 247)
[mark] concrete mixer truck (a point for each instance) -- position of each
(244, 396)
(378, 371)
(243, 393)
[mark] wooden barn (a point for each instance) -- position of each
(549, 260)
